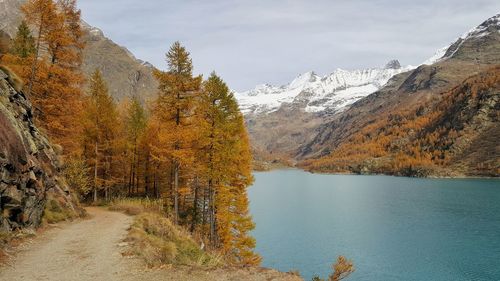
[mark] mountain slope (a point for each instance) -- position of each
(126, 76)
(420, 89)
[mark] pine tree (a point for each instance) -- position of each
(23, 45)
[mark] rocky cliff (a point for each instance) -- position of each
(29, 166)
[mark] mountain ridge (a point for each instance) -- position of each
(416, 92)
(332, 92)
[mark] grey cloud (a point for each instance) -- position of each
(263, 41)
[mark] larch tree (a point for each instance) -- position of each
(136, 122)
(101, 126)
(50, 64)
(225, 150)
(174, 111)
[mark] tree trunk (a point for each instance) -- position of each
(130, 180)
(195, 205)
(204, 210)
(176, 192)
(146, 176)
(211, 216)
(95, 173)
(155, 185)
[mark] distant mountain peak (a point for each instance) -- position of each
(314, 93)
(393, 64)
(486, 28)
(490, 25)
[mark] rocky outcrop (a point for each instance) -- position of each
(29, 166)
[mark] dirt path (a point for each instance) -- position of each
(91, 250)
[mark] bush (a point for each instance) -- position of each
(341, 270)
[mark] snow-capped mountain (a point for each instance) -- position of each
(336, 91)
(333, 92)
(487, 27)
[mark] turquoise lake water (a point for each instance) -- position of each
(393, 228)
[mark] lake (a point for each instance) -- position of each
(393, 228)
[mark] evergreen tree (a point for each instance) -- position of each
(23, 44)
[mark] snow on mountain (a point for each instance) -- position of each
(332, 92)
(490, 25)
(336, 91)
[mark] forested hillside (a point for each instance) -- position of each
(402, 129)
(455, 133)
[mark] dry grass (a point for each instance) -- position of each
(158, 241)
(136, 206)
(155, 239)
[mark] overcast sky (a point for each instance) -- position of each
(250, 42)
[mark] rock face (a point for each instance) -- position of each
(29, 167)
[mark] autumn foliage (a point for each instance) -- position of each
(49, 63)
(187, 147)
(423, 139)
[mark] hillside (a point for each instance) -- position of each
(454, 136)
(476, 53)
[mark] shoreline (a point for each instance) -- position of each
(375, 174)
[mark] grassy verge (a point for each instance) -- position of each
(136, 206)
(155, 239)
